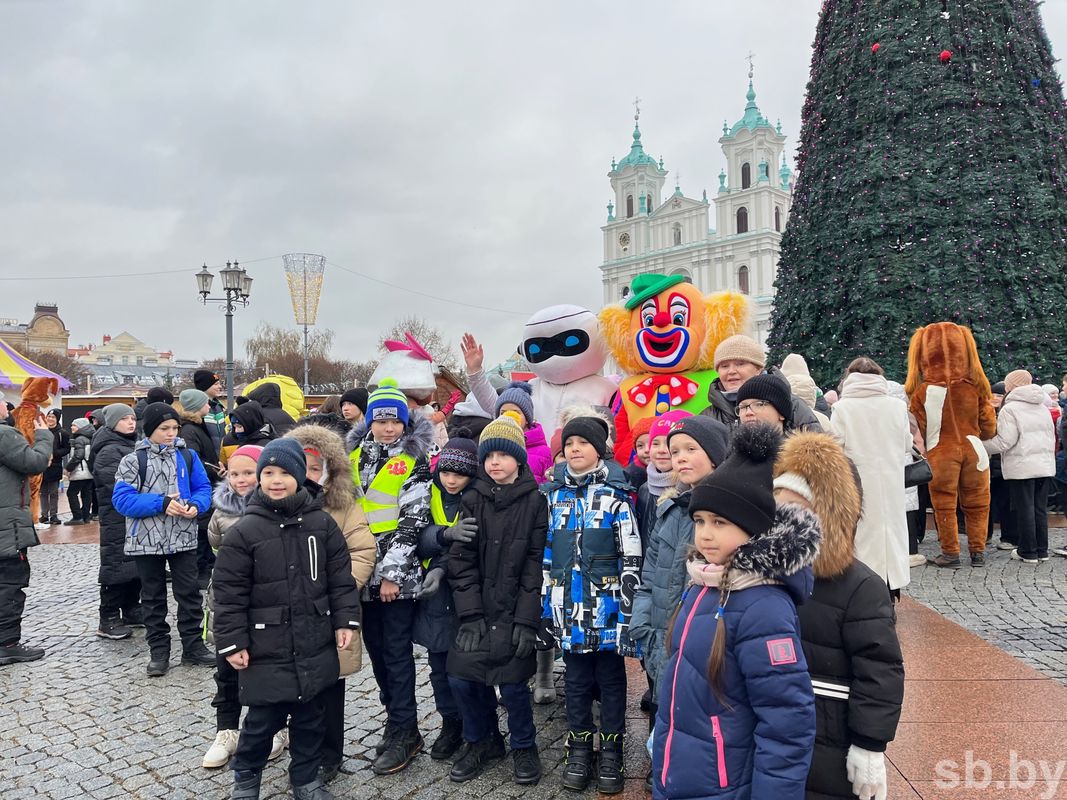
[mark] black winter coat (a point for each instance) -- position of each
(497, 577)
(104, 456)
(848, 632)
(282, 584)
(269, 396)
(60, 448)
(198, 439)
(435, 616)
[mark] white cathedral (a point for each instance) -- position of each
(673, 236)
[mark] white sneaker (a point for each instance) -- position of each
(1002, 545)
(41, 526)
(224, 746)
(281, 741)
(916, 560)
(1016, 557)
(1060, 551)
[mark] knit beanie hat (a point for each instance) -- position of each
(159, 394)
(115, 412)
(204, 379)
(155, 414)
(503, 434)
(1016, 378)
(664, 424)
(387, 402)
(998, 388)
(641, 428)
(251, 451)
(770, 388)
(357, 397)
(459, 455)
(803, 387)
(285, 453)
(518, 393)
(593, 429)
(80, 424)
(192, 400)
(740, 348)
(741, 489)
(712, 436)
(55, 412)
(794, 364)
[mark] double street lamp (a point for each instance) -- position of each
(236, 288)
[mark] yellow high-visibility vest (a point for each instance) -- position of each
(437, 512)
(381, 501)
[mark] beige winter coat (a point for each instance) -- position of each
(1026, 436)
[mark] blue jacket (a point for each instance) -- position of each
(758, 746)
(149, 531)
(592, 561)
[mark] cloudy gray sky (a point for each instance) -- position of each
(459, 149)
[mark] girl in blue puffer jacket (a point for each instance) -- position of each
(739, 723)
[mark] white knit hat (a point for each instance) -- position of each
(795, 482)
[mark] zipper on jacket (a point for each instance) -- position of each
(720, 751)
(674, 685)
(313, 557)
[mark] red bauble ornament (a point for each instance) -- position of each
(946, 56)
(875, 47)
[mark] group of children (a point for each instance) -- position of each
(698, 572)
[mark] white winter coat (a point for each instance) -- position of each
(1026, 436)
(873, 428)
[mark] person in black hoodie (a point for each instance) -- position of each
(285, 602)
(269, 395)
(496, 586)
(120, 586)
(157, 394)
(847, 628)
(54, 474)
(248, 427)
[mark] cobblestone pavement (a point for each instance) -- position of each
(1021, 608)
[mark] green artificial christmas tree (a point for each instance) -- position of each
(932, 186)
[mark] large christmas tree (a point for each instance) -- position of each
(932, 186)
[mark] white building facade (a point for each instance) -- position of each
(738, 250)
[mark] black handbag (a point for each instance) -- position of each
(918, 471)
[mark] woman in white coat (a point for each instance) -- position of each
(873, 428)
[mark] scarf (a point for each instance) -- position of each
(658, 482)
(701, 573)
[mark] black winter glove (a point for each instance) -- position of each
(463, 531)
(470, 635)
(524, 639)
(431, 583)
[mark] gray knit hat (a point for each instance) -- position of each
(192, 400)
(115, 412)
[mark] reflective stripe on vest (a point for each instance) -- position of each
(440, 517)
(381, 501)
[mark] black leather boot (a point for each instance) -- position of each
(399, 752)
(246, 786)
(449, 740)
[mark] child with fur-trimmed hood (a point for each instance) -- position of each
(847, 627)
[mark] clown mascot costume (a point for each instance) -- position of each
(664, 338)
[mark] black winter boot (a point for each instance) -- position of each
(578, 770)
(312, 791)
(449, 740)
(246, 786)
(526, 765)
(199, 655)
(610, 773)
(158, 664)
(17, 654)
(111, 627)
(476, 756)
(383, 743)
(402, 748)
(134, 617)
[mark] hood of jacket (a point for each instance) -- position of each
(87, 432)
(249, 416)
(339, 492)
(196, 418)
(1027, 394)
(861, 384)
(535, 436)
(226, 500)
(416, 442)
(784, 553)
(268, 395)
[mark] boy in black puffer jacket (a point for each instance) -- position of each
(285, 601)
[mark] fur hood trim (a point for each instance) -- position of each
(416, 442)
(339, 493)
(226, 500)
(791, 544)
(186, 416)
(820, 460)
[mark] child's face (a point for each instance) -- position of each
(581, 456)
(998, 399)
(276, 483)
(789, 497)
(166, 433)
(715, 537)
(241, 473)
(516, 410)
(126, 425)
(50, 420)
(752, 411)
(641, 448)
(238, 428)
(351, 412)
(315, 467)
(453, 482)
(660, 454)
(386, 431)
(688, 459)
(501, 467)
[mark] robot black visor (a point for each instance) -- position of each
(568, 343)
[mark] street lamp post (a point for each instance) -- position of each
(236, 289)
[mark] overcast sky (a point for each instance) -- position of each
(460, 149)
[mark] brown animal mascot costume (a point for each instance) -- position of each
(950, 397)
(35, 393)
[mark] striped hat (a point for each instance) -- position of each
(502, 435)
(387, 402)
(459, 455)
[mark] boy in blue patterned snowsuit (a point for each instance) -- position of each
(592, 568)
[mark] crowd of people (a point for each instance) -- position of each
(748, 556)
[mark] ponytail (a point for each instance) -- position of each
(717, 658)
